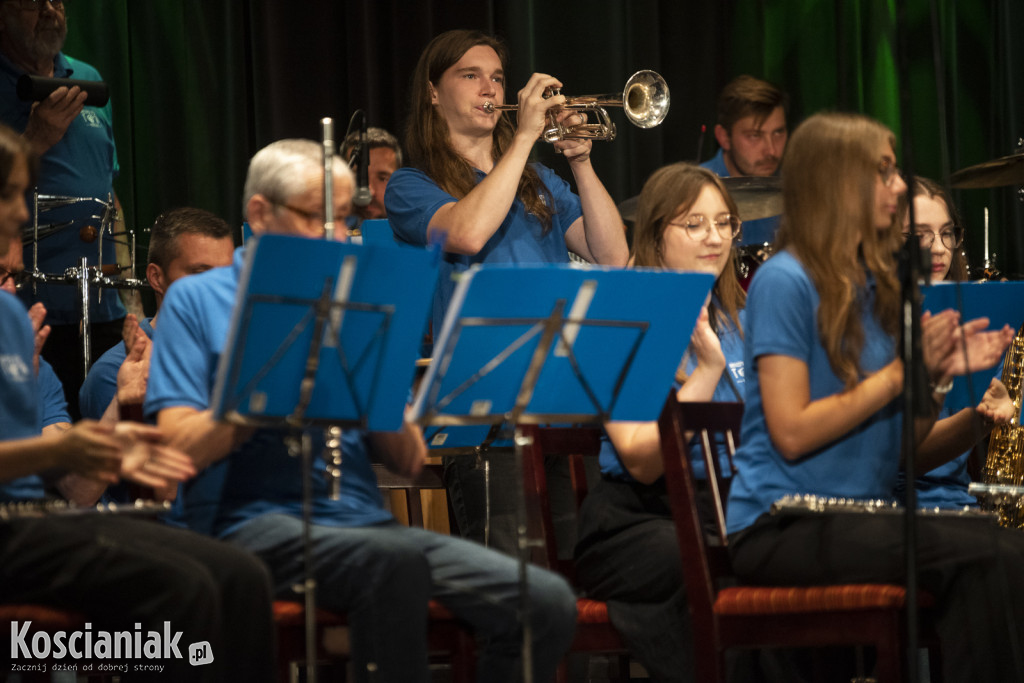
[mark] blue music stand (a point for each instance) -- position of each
(545, 344)
(1001, 302)
(317, 329)
(616, 338)
(377, 232)
(366, 346)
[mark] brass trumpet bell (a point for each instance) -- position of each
(644, 99)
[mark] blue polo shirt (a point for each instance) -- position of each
(412, 198)
(782, 312)
(945, 486)
(259, 477)
(729, 388)
(758, 231)
(82, 164)
(100, 385)
(53, 408)
(19, 391)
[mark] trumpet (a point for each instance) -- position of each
(644, 99)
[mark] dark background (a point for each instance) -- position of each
(200, 85)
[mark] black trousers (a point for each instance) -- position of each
(628, 556)
(464, 477)
(974, 569)
(121, 572)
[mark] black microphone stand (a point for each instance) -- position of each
(362, 196)
(916, 394)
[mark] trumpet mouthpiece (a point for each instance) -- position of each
(489, 107)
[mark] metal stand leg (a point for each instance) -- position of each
(522, 536)
(83, 292)
(299, 444)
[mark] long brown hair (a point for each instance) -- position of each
(829, 179)
(925, 187)
(669, 192)
(426, 134)
(12, 148)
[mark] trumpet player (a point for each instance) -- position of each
(470, 182)
(471, 186)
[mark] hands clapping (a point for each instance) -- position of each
(951, 349)
(133, 375)
(130, 450)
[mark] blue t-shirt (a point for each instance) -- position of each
(945, 486)
(782, 307)
(100, 385)
(259, 477)
(759, 231)
(82, 164)
(19, 391)
(729, 388)
(412, 198)
(53, 408)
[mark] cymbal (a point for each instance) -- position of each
(996, 173)
(627, 208)
(755, 196)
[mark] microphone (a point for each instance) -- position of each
(362, 196)
(36, 88)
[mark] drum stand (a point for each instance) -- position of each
(82, 275)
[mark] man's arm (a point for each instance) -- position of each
(403, 452)
(599, 235)
(197, 434)
(131, 298)
(72, 486)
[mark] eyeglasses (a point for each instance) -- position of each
(951, 239)
(302, 213)
(888, 170)
(19, 278)
(698, 227)
(38, 5)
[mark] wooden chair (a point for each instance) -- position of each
(430, 479)
(755, 617)
(594, 631)
(448, 638)
(45, 619)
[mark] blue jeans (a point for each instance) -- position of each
(384, 575)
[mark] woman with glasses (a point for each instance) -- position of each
(823, 412)
(627, 552)
(937, 226)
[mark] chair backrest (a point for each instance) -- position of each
(704, 563)
(573, 443)
(430, 478)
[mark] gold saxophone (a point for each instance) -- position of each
(1005, 463)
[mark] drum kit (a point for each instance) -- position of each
(81, 275)
(759, 197)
